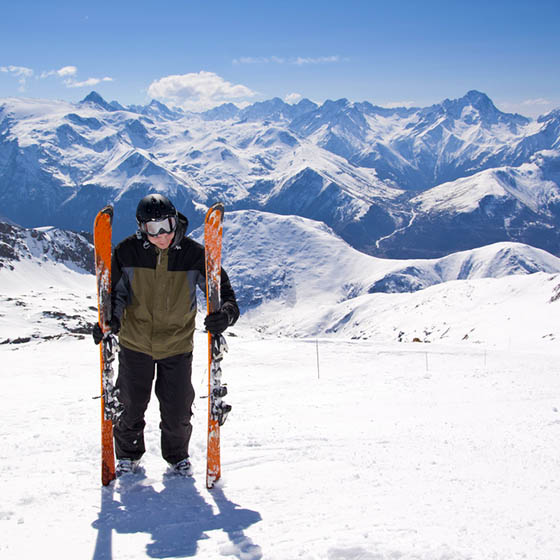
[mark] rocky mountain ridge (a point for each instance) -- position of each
(42, 245)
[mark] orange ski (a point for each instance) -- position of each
(102, 244)
(217, 409)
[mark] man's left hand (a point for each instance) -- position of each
(216, 323)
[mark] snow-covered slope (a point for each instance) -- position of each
(44, 301)
(273, 256)
(511, 310)
(294, 276)
(493, 261)
(410, 451)
(47, 286)
(525, 185)
(513, 203)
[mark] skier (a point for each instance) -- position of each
(154, 277)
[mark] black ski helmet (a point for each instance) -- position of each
(154, 207)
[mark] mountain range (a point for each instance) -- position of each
(398, 183)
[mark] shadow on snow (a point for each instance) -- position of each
(177, 518)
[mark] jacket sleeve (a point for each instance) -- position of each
(120, 287)
(227, 297)
(227, 294)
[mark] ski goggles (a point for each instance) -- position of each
(158, 227)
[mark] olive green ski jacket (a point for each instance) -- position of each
(154, 293)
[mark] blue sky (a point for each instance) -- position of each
(199, 54)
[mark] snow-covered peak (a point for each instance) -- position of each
(275, 110)
(223, 112)
(94, 99)
(157, 110)
(476, 107)
(525, 184)
(292, 261)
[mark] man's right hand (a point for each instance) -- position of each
(97, 333)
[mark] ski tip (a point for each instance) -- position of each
(218, 207)
(107, 210)
(103, 214)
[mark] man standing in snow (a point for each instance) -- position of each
(154, 277)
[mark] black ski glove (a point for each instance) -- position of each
(114, 325)
(216, 323)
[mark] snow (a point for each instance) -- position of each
(336, 448)
(524, 183)
(54, 277)
(304, 279)
(394, 451)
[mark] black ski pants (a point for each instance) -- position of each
(175, 393)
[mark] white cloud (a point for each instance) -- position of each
(301, 61)
(21, 72)
(293, 98)
(87, 83)
(538, 101)
(298, 60)
(396, 104)
(197, 91)
(529, 107)
(259, 60)
(62, 72)
(18, 70)
(67, 71)
(68, 76)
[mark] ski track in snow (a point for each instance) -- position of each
(398, 230)
(393, 451)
